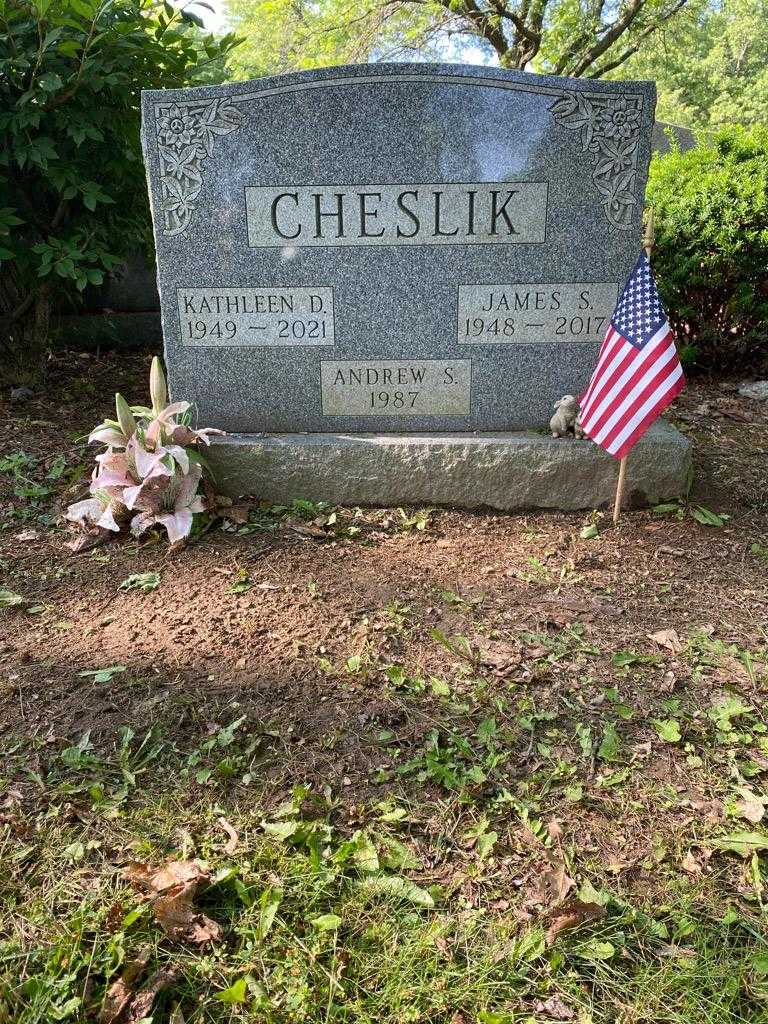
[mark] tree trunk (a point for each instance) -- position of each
(25, 338)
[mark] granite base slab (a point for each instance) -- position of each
(503, 471)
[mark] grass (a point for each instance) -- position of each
(71, 923)
(395, 910)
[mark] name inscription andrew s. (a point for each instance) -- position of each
(483, 213)
(216, 317)
(509, 314)
(409, 387)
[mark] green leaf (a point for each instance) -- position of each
(743, 843)
(102, 675)
(50, 81)
(614, 778)
(236, 993)
(398, 857)
(10, 600)
(327, 923)
(144, 581)
(706, 518)
(269, 904)
(623, 658)
(365, 856)
(439, 687)
(396, 886)
(280, 830)
(668, 730)
(609, 744)
(486, 843)
(589, 532)
(596, 949)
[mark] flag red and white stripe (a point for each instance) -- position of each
(638, 372)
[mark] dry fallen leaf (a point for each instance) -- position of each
(555, 1008)
(690, 864)
(238, 513)
(572, 914)
(172, 888)
(665, 549)
(559, 881)
(121, 992)
(668, 639)
(750, 806)
(234, 838)
(308, 529)
(85, 541)
(26, 536)
(500, 656)
(142, 1004)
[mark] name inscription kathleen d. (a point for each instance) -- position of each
(483, 213)
(509, 314)
(412, 387)
(256, 316)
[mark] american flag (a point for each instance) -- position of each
(638, 373)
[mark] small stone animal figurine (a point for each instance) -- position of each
(564, 422)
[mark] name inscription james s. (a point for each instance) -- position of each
(410, 387)
(512, 314)
(446, 213)
(253, 317)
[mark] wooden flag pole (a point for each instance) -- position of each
(649, 239)
(620, 490)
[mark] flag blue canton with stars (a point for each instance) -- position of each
(639, 314)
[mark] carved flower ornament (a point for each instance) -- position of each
(609, 128)
(619, 121)
(186, 134)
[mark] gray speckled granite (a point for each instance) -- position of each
(574, 153)
(504, 471)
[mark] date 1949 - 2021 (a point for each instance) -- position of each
(283, 330)
(256, 317)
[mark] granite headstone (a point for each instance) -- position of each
(392, 248)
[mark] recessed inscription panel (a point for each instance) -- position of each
(484, 213)
(409, 387)
(220, 317)
(509, 314)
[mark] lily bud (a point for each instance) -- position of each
(158, 389)
(124, 416)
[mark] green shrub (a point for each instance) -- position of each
(711, 257)
(72, 188)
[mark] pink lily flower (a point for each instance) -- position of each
(101, 510)
(112, 473)
(182, 434)
(172, 506)
(164, 420)
(108, 433)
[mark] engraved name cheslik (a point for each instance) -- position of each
(419, 213)
(609, 127)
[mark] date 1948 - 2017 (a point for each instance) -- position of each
(514, 313)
